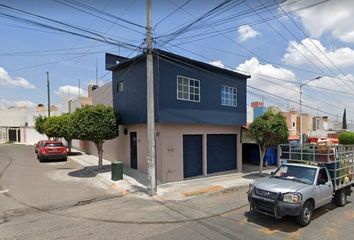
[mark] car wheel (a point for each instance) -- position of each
(306, 214)
(340, 198)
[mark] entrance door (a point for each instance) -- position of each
(133, 151)
(12, 135)
(192, 155)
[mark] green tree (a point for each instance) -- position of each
(53, 127)
(346, 138)
(67, 133)
(268, 130)
(95, 123)
(39, 124)
(344, 123)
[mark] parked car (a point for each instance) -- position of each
(296, 189)
(51, 150)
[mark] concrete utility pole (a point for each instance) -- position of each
(301, 86)
(48, 90)
(151, 158)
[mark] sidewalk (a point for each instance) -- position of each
(135, 182)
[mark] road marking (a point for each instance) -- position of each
(4, 191)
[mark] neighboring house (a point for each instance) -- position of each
(199, 111)
(17, 123)
(82, 100)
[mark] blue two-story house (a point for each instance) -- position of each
(199, 111)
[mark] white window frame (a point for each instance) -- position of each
(189, 88)
(228, 100)
(120, 86)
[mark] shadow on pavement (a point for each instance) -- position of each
(286, 224)
(138, 176)
(74, 153)
(90, 171)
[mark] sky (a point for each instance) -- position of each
(281, 44)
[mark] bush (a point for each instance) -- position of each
(346, 138)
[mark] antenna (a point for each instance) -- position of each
(96, 70)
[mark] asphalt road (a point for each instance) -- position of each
(58, 200)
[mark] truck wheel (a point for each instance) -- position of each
(306, 214)
(340, 198)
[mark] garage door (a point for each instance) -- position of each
(192, 155)
(221, 152)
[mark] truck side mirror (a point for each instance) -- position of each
(321, 181)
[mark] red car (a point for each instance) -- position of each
(51, 150)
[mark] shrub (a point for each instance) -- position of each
(346, 138)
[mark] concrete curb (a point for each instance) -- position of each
(84, 164)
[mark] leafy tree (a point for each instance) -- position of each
(95, 123)
(53, 127)
(268, 130)
(346, 138)
(39, 124)
(344, 123)
(67, 133)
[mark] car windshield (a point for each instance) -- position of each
(53, 144)
(296, 173)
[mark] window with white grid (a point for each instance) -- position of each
(188, 89)
(228, 96)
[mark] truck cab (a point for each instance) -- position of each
(294, 190)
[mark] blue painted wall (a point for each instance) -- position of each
(258, 111)
(131, 102)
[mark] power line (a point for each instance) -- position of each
(97, 16)
(315, 45)
(299, 41)
(95, 36)
(171, 13)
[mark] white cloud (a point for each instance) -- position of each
(21, 103)
(69, 91)
(217, 63)
(342, 83)
(335, 17)
(262, 74)
(246, 32)
(7, 80)
(340, 56)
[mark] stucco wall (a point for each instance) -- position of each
(171, 147)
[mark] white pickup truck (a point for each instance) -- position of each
(308, 178)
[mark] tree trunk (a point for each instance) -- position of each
(261, 156)
(99, 146)
(69, 145)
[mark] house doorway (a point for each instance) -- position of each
(133, 151)
(192, 155)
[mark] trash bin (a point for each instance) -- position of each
(117, 171)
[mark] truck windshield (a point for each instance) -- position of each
(296, 173)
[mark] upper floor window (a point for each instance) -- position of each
(228, 96)
(188, 89)
(120, 86)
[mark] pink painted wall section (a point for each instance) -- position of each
(170, 139)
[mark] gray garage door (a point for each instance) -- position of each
(221, 152)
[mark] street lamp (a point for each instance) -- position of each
(301, 85)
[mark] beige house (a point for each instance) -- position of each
(199, 113)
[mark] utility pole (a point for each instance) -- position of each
(48, 91)
(151, 158)
(301, 86)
